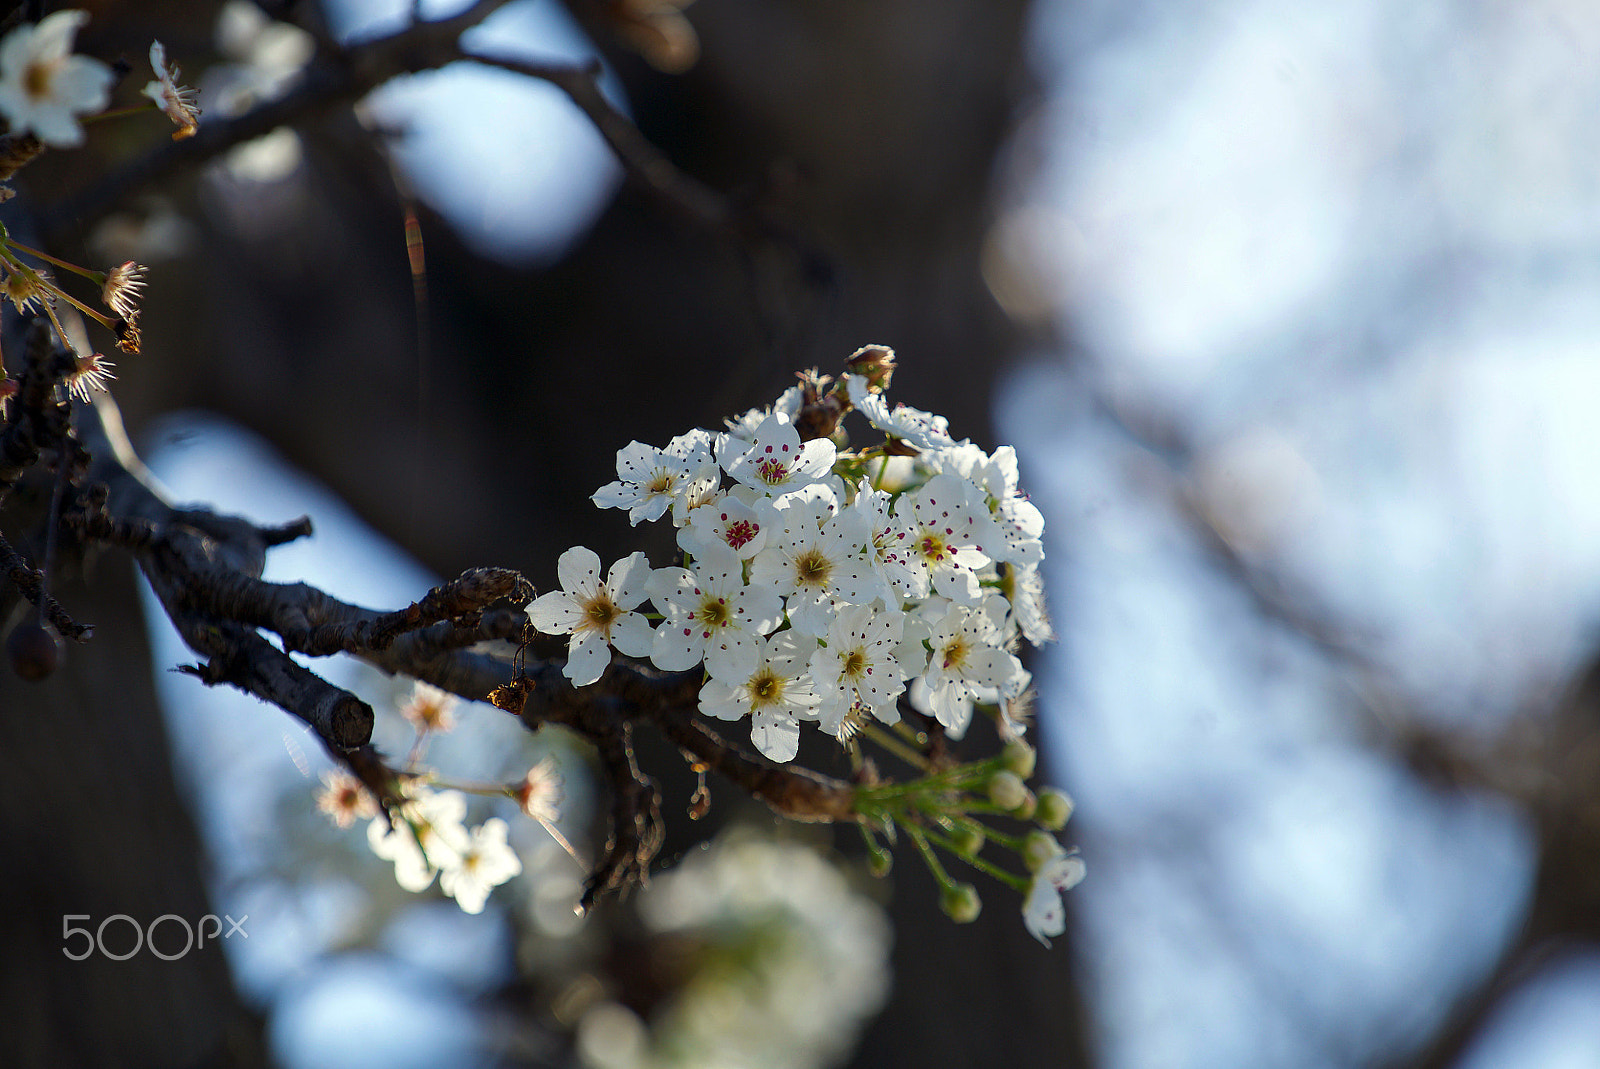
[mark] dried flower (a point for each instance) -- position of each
(128, 333)
(23, 291)
(16, 152)
(90, 372)
(174, 99)
(123, 288)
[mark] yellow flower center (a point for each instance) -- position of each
(812, 568)
(855, 663)
(714, 612)
(37, 78)
(601, 612)
(766, 688)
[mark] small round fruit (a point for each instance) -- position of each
(34, 650)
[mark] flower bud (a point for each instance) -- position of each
(1019, 757)
(967, 840)
(1039, 847)
(1007, 790)
(1028, 806)
(1055, 808)
(875, 363)
(960, 902)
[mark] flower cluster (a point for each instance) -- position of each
(819, 584)
(45, 87)
(421, 827)
(46, 93)
(427, 837)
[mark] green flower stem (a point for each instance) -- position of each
(940, 783)
(97, 277)
(888, 741)
(1007, 878)
(920, 837)
(883, 469)
(50, 290)
(486, 790)
(121, 113)
(988, 809)
(1000, 838)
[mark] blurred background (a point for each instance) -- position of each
(1290, 309)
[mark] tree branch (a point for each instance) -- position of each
(340, 76)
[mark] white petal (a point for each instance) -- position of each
(628, 580)
(587, 659)
(677, 646)
(722, 701)
(578, 571)
(732, 655)
(652, 508)
(1043, 913)
(555, 613)
(615, 495)
(632, 635)
(775, 735)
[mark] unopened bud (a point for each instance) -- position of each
(960, 902)
(875, 363)
(967, 840)
(1055, 808)
(1028, 806)
(1007, 790)
(1019, 757)
(1039, 847)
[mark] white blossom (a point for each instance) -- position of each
(485, 861)
(858, 668)
(775, 695)
(1019, 521)
(968, 663)
(776, 462)
(650, 481)
(1044, 914)
(343, 798)
(888, 540)
(539, 793)
(816, 560)
(787, 404)
(429, 708)
(944, 537)
(922, 430)
(1023, 587)
(425, 836)
(598, 615)
(44, 87)
(740, 520)
(712, 616)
